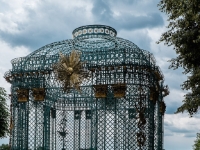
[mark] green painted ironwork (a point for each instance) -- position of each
(120, 107)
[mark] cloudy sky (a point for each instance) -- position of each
(26, 26)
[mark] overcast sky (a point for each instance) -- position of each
(26, 25)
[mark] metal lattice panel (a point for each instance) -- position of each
(119, 105)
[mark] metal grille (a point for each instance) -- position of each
(119, 107)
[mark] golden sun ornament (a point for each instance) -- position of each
(70, 71)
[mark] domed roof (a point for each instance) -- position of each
(86, 38)
(90, 40)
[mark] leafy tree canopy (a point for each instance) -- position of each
(4, 147)
(4, 114)
(196, 145)
(184, 35)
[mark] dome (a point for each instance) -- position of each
(87, 39)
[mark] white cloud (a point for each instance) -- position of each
(15, 14)
(139, 37)
(36, 23)
(177, 142)
(176, 122)
(180, 131)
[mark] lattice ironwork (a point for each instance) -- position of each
(116, 104)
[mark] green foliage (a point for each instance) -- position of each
(4, 114)
(184, 35)
(196, 145)
(4, 147)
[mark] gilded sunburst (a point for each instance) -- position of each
(70, 71)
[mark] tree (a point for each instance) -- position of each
(196, 145)
(4, 114)
(184, 35)
(4, 147)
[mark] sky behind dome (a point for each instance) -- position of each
(25, 26)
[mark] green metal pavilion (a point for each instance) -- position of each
(119, 106)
